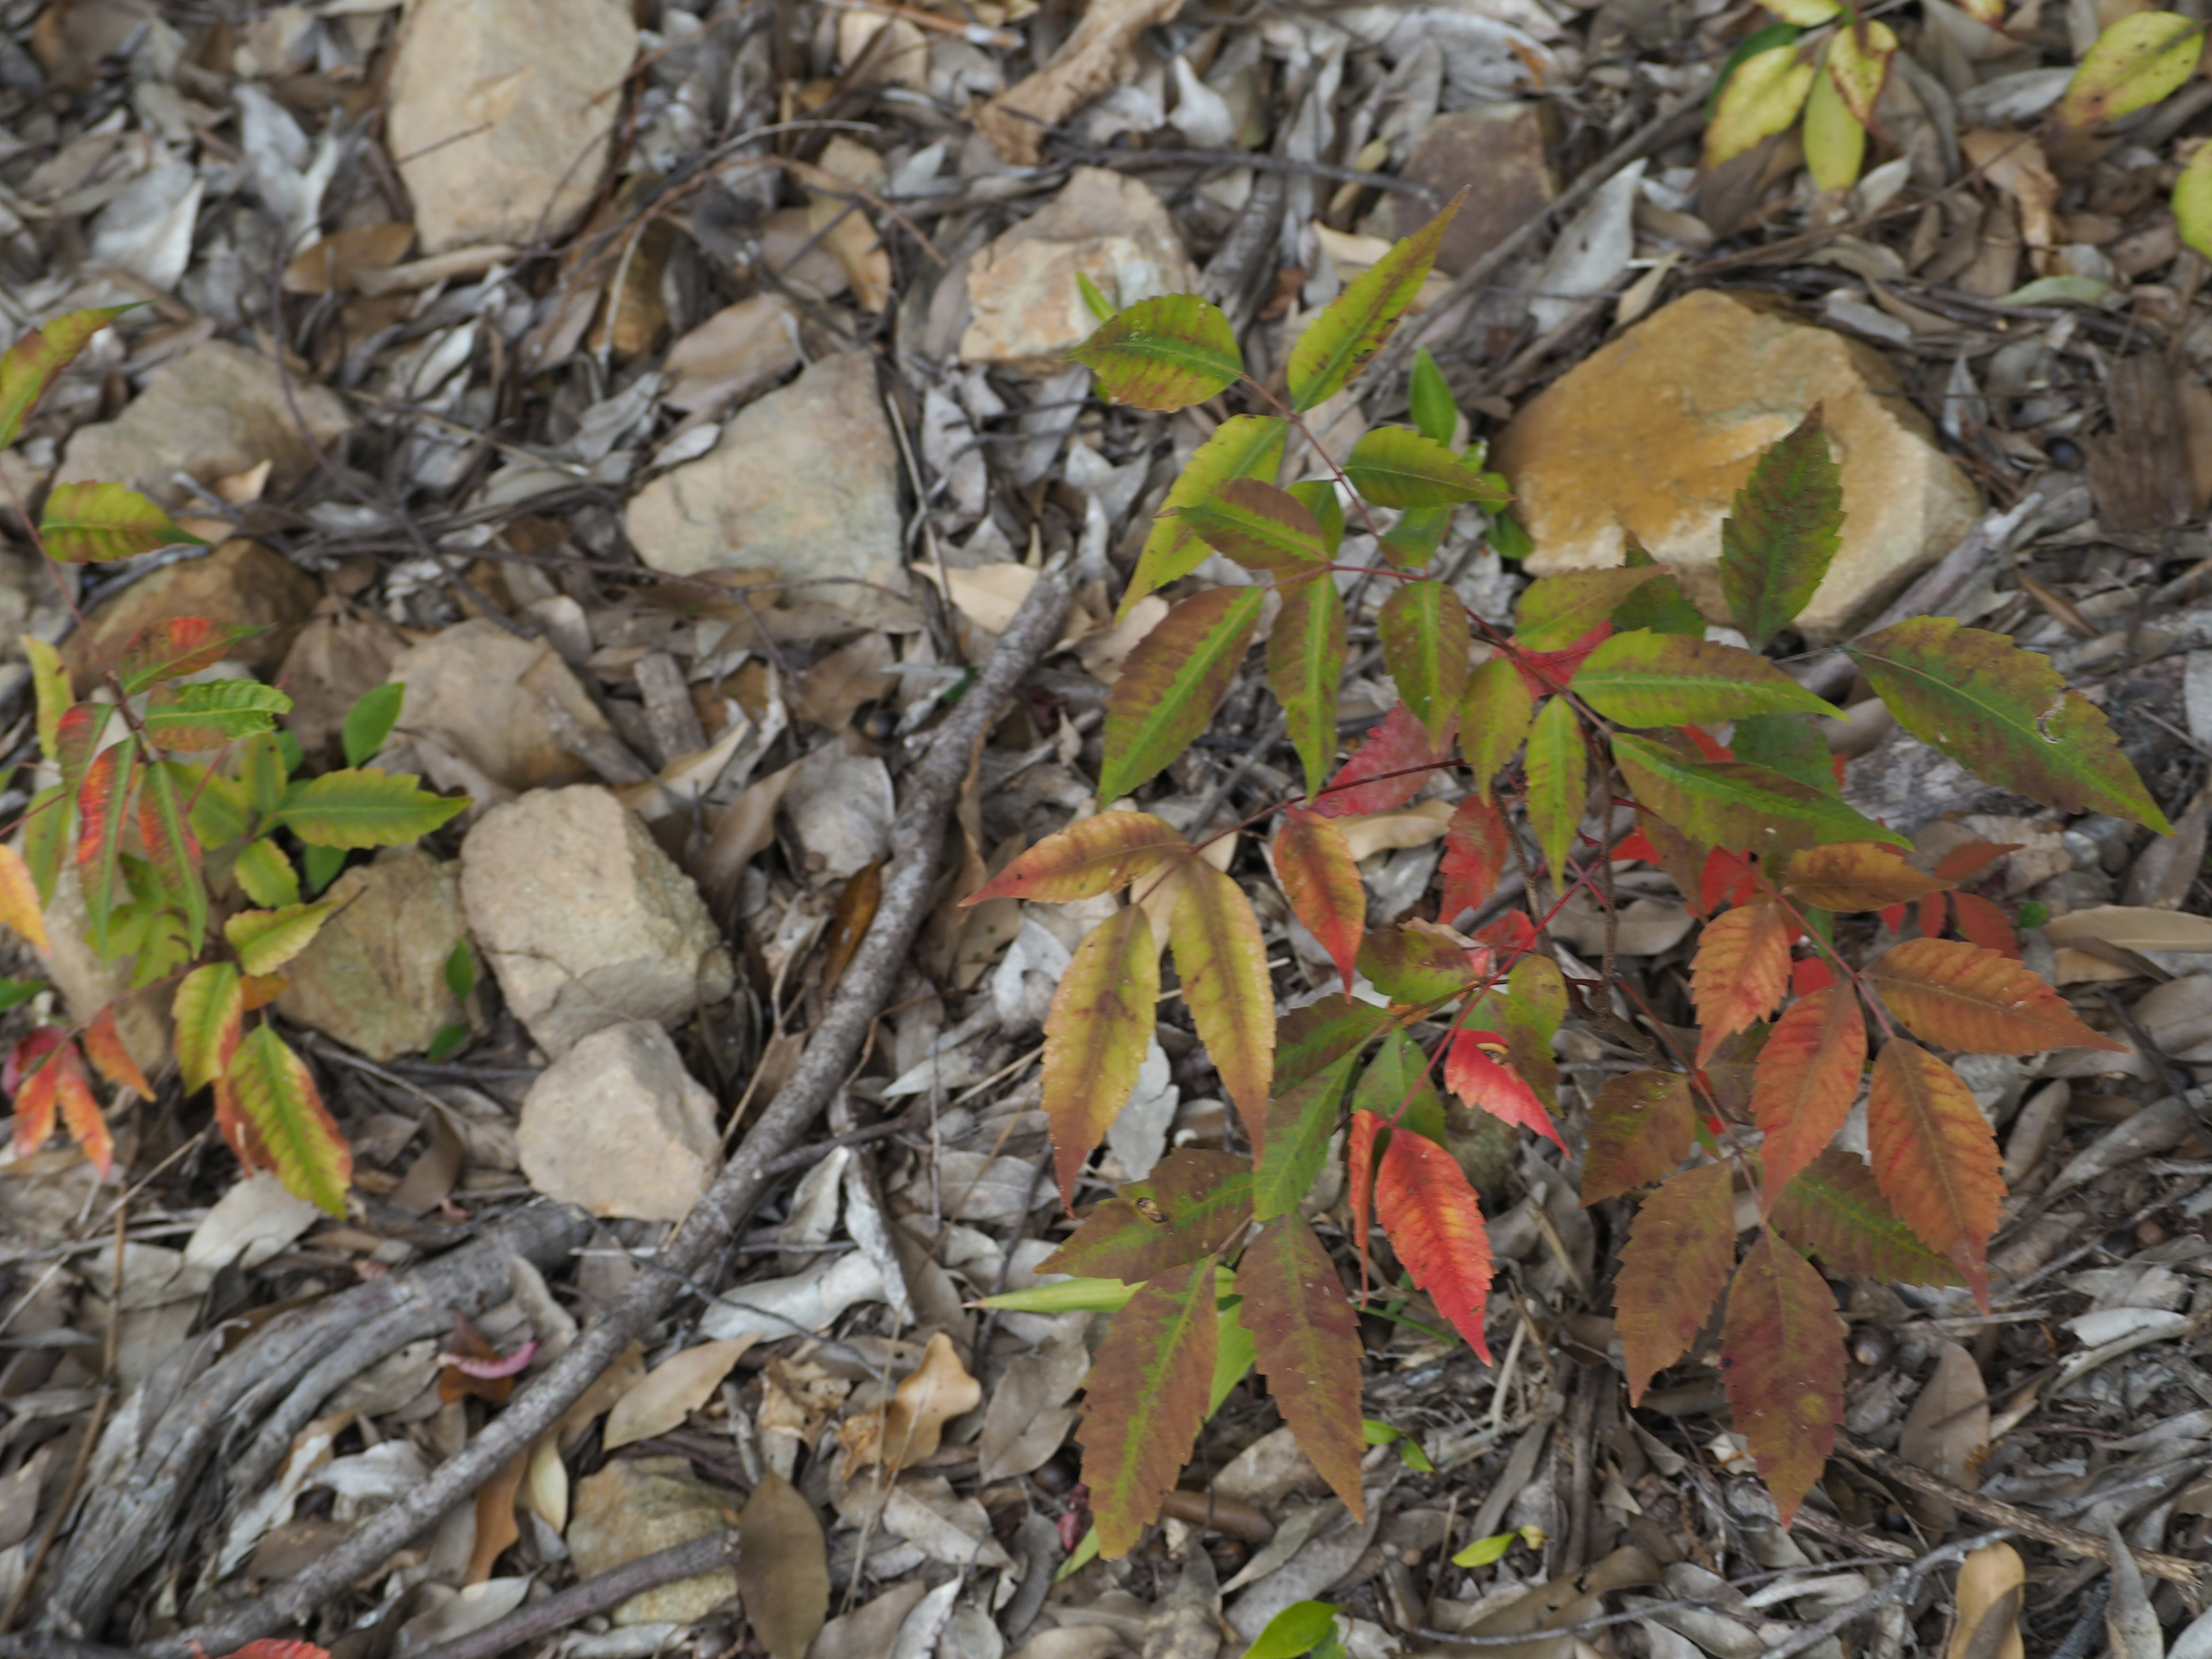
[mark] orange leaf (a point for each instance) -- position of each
(1973, 857)
(1477, 844)
(1306, 1338)
(1313, 861)
(176, 647)
(103, 1044)
(80, 1109)
(275, 1093)
(1435, 1224)
(1223, 963)
(1681, 1247)
(1808, 1076)
(1148, 1388)
(1984, 925)
(1359, 1140)
(34, 1096)
(1096, 1037)
(19, 899)
(1091, 856)
(1471, 1073)
(1742, 969)
(272, 1647)
(1389, 770)
(1781, 1360)
(1857, 875)
(1935, 1157)
(1977, 1002)
(1640, 1129)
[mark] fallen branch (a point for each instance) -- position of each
(917, 846)
(600, 1595)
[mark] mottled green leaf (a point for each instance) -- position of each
(1165, 354)
(1337, 344)
(1778, 541)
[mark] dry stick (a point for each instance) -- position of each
(599, 1594)
(917, 845)
(2190, 1575)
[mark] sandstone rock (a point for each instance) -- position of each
(804, 482)
(1026, 310)
(501, 115)
(638, 1505)
(586, 922)
(1501, 152)
(1655, 432)
(374, 979)
(242, 582)
(215, 411)
(500, 703)
(617, 1126)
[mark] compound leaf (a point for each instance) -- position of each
(1641, 1128)
(91, 523)
(1558, 782)
(1223, 963)
(1781, 1350)
(365, 807)
(1740, 972)
(1242, 447)
(1172, 683)
(1096, 1036)
(1857, 875)
(1681, 1247)
(1166, 353)
(1337, 344)
(1192, 1203)
(1091, 856)
(1306, 1338)
(1834, 1208)
(1978, 1001)
(1396, 466)
(1423, 628)
(1435, 1224)
(1788, 520)
(275, 1093)
(1305, 667)
(1313, 863)
(1935, 1157)
(1646, 678)
(1147, 1391)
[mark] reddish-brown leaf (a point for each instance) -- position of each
(1835, 1209)
(174, 649)
(1961, 863)
(1359, 1140)
(1984, 925)
(1935, 1157)
(1435, 1224)
(103, 1045)
(1681, 1247)
(1781, 1361)
(275, 1093)
(1742, 967)
(1392, 764)
(1148, 1388)
(102, 806)
(1977, 1002)
(80, 1108)
(1477, 1076)
(1223, 963)
(1096, 1037)
(1091, 856)
(1313, 861)
(1477, 844)
(1306, 1338)
(1640, 1130)
(32, 1076)
(1808, 1076)
(1857, 875)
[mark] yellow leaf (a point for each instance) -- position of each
(19, 899)
(1761, 99)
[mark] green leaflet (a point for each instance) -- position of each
(1398, 1088)
(2004, 714)
(207, 1009)
(1172, 683)
(1242, 447)
(1494, 718)
(2192, 202)
(1412, 541)
(1311, 1039)
(1736, 805)
(1670, 679)
(1165, 354)
(1337, 344)
(49, 822)
(1425, 644)
(35, 361)
(1786, 524)
(1434, 414)
(265, 875)
(1300, 1120)
(1834, 1209)
(1554, 611)
(266, 940)
(50, 687)
(93, 523)
(1305, 667)
(277, 1095)
(370, 720)
(1658, 604)
(1321, 500)
(1148, 1388)
(212, 713)
(1789, 744)
(2134, 65)
(1396, 466)
(103, 803)
(1558, 782)
(1259, 526)
(364, 808)
(168, 841)
(1192, 1205)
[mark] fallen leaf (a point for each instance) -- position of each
(783, 1568)
(672, 1391)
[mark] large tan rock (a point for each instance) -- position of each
(586, 922)
(1653, 434)
(242, 582)
(502, 114)
(617, 1126)
(217, 411)
(804, 482)
(502, 703)
(374, 979)
(1025, 308)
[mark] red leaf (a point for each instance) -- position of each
(1741, 966)
(1708, 745)
(103, 1045)
(1973, 1000)
(33, 1087)
(1935, 1157)
(1435, 1224)
(1984, 925)
(1806, 1078)
(1935, 913)
(1781, 1361)
(1477, 844)
(1681, 1247)
(1727, 878)
(1640, 1127)
(1546, 671)
(1359, 1142)
(1388, 771)
(275, 1648)
(1314, 863)
(1962, 863)
(1633, 846)
(174, 649)
(80, 1108)
(1306, 1338)
(1474, 1074)
(1809, 975)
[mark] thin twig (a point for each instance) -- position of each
(602, 1594)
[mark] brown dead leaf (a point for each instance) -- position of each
(783, 1567)
(661, 1399)
(617, 1380)
(740, 351)
(1948, 1430)
(837, 212)
(335, 265)
(2014, 163)
(852, 674)
(1991, 1583)
(1093, 60)
(495, 1524)
(909, 1430)
(848, 923)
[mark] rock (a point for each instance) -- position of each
(617, 1126)
(31, 599)
(1904, 783)
(217, 411)
(374, 979)
(1026, 310)
(241, 582)
(500, 703)
(1501, 152)
(804, 481)
(636, 1506)
(737, 353)
(1655, 432)
(500, 117)
(584, 918)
